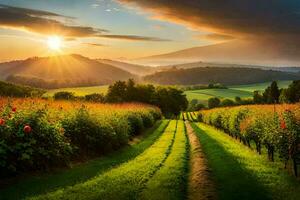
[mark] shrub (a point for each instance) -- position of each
(37, 134)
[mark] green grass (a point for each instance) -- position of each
(45, 183)
(260, 86)
(243, 91)
(170, 182)
(125, 181)
(79, 91)
(240, 173)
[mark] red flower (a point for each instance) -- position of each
(14, 109)
(2, 122)
(27, 129)
(282, 125)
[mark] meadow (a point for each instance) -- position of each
(243, 91)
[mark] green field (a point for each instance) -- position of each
(243, 91)
(259, 86)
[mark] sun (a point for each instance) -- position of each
(54, 43)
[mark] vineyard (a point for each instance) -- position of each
(277, 128)
(126, 151)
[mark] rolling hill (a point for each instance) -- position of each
(223, 75)
(132, 68)
(61, 71)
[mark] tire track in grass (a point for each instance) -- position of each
(169, 183)
(201, 185)
(125, 181)
(239, 173)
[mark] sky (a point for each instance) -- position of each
(93, 28)
(129, 29)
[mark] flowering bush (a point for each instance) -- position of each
(39, 134)
(276, 127)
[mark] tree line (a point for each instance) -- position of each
(170, 100)
(271, 95)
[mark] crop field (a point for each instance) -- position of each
(154, 159)
(79, 91)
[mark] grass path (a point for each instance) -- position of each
(45, 183)
(170, 182)
(201, 185)
(240, 173)
(127, 180)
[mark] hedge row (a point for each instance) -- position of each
(39, 134)
(275, 127)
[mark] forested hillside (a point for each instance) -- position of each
(227, 76)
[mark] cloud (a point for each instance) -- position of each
(49, 23)
(215, 37)
(95, 44)
(42, 22)
(135, 38)
(231, 17)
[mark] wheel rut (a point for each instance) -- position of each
(201, 185)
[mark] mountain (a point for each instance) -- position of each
(132, 68)
(222, 75)
(61, 71)
(235, 51)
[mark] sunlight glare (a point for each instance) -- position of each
(54, 43)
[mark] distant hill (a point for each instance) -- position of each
(132, 68)
(234, 51)
(213, 64)
(13, 90)
(61, 71)
(223, 75)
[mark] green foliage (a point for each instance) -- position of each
(64, 96)
(125, 181)
(272, 93)
(35, 136)
(169, 99)
(12, 90)
(278, 130)
(213, 102)
(95, 97)
(42, 147)
(227, 102)
(236, 166)
(35, 185)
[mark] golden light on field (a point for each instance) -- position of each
(54, 43)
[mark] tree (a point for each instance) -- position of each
(272, 93)
(213, 102)
(64, 95)
(284, 96)
(117, 93)
(131, 90)
(228, 102)
(257, 97)
(238, 100)
(293, 92)
(98, 98)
